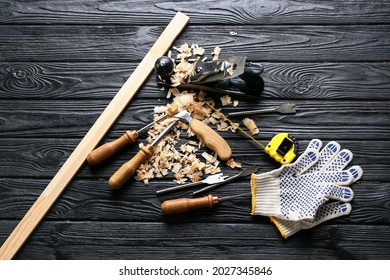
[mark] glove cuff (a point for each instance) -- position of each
(265, 194)
(287, 228)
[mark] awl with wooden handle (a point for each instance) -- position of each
(183, 205)
(107, 150)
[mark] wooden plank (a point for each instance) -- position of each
(91, 139)
(92, 200)
(260, 240)
(201, 12)
(43, 157)
(74, 43)
(40, 80)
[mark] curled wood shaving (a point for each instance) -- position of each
(251, 125)
(230, 70)
(185, 51)
(182, 72)
(216, 53)
(226, 100)
(160, 109)
(197, 50)
(233, 164)
(172, 109)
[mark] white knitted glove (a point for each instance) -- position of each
(326, 212)
(296, 191)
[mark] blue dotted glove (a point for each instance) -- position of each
(296, 191)
(326, 212)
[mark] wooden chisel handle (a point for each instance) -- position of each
(127, 170)
(211, 139)
(182, 205)
(105, 151)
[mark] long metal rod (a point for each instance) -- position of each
(180, 187)
(162, 134)
(152, 123)
(230, 197)
(253, 112)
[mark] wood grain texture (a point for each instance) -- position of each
(129, 43)
(90, 200)
(43, 157)
(260, 240)
(211, 12)
(43, 81)
(29, 119)
(61, 62)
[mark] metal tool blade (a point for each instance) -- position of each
(152, 123)
(216, 178)
(217, 70)
(287, 108)
(243, 173)
(163, 133)
(230, 197)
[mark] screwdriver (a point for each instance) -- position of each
(183, 205)
(127, 170)
(107, 150)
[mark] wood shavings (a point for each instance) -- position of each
(172, 91)
(184, 69)
(182, 72)
(201, 96)
(226, 100)
(173, 156)
(196, 177)
(230, 70)
(160, 109)
(184, 99)
(216, 53)
(223, 126)
(172, 109)
(185, 51)
(222, 123)
(233, 164)
(209, 158)
(197, 50)
(251, 125)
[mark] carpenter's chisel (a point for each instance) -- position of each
(107, 150)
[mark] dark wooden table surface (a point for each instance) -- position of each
(61, 62)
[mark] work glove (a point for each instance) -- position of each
(325, 212)
(296, 191)
(328, 211)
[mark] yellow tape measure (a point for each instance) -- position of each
(282, 147)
